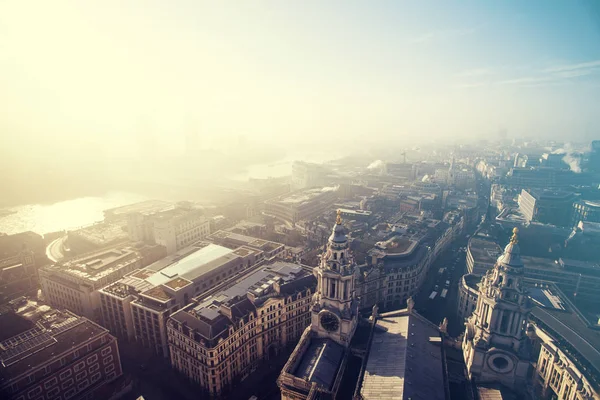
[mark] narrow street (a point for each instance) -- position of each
(453, 263)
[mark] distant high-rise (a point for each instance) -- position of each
(594, 158)
(306, 175)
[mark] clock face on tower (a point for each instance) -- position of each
(329, 322)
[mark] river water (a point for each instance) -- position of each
(75, 213)
(68, 214)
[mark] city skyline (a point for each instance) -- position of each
(79, 76)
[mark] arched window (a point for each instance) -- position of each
(335, 256)
(341, 256)
(509, 282)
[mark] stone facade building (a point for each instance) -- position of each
(217, 341)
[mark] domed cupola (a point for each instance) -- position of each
(338, 235)
(512, 253)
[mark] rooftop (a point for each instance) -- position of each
(257, 283)
(320, 362)
(144, 207)
(355, 212)
(200, 260)
(102, 233)
(298, 198)
(398, 245)
(40, 334)
(178, 283)
(546, 194)
(94, 266)
(237, 239)
(484, 251)
(205, 315)
(158, 293)
(575, 337)
(405, 359)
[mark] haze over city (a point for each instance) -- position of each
(121, 89)
(300, 200)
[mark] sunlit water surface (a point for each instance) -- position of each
(68, 214)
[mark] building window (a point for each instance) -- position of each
(94, 378)
(79, 366)
(53, 392)
(34, 392)
(106, 351)
(67, 384)
(110, 368)
(50, 382)
(83, 384)
(65, 374)
(92, 359)
(81, 375)
(107, 360)
(69, 393)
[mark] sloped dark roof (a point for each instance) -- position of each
(567, 327)
(320, 362)
(299, 285)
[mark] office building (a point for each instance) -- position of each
(502, 197)
(397, 268)
(585, 210)
(137, 307)
(459, 177)
(356, 215)
(74, 284)
(47, 353)
(97, 236)
(307, 175)
(565, 355)
(174, 229)
(576, 278)
(270, 250)
(594, 157)
(218, 340)
(554, 160)
(545, 177)
(404, 170)
(546, 206)
(12, 245)
(303, 205)
(481, 256)
(18, 276)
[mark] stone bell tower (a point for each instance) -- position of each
(495, 345)
(335, 308)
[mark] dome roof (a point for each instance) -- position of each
(512, 253)
(338, 235)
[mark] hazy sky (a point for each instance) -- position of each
(101, 76)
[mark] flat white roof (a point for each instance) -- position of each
(189, 263)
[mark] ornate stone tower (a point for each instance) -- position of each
(335, 308)
(495, 345)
